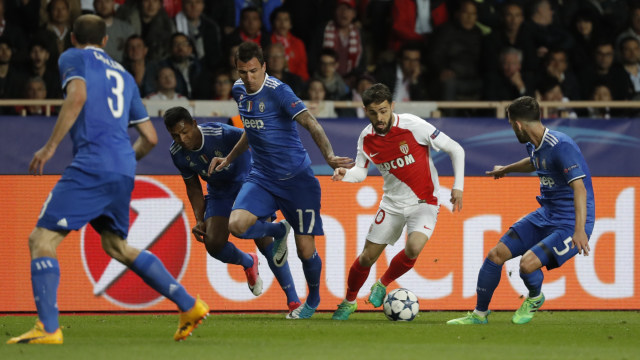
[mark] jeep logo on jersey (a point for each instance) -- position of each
(547, 181)
(404, 147)
(396, 163)
(158, 224)
(253, 123)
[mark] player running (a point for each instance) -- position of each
(102, 100)
(281, 177)
(192, 149)
(554, 233)
(399, 146)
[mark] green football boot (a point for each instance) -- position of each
(345, 308)
(378, 291)
(528, 308)
(471, 319)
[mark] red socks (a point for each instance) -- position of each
(358, 274)
(399, 265)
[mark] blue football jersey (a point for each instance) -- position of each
(217, 141)
(99, 135)
(558, 162)
(267, 116)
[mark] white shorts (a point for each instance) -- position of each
(389, 223)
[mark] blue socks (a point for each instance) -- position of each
(263, 228)
(153, 272)
(312, 269)
(488, 280)
(282, 274)
(45, 277)
(230, 254)
(533, 281)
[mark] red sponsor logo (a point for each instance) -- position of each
(158, 224)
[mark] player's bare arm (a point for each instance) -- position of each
(71, 107)
(522, 166)
(218, 164)
(147, 140)
(196, 198)
(317, 133)
(580, 238)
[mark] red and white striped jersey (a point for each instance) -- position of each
(403, 158)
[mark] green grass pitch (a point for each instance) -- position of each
(367, 335)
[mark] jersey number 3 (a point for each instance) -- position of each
(117, 91)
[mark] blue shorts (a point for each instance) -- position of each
(298, 198)
(101, 199)
(551, 242)
(216, 205)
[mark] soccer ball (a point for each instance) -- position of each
(401, 305)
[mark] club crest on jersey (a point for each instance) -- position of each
(261, 106)
(218, 153)
(404, 147)
(205, 159)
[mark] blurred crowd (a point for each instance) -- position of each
(456, 50)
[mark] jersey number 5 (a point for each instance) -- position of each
(117, 91)
(566, 242)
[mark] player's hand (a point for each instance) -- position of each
(338, 174)
(41, 156)
(456, 199)
(340, 162)
(199, 231)
(497, 172)
(581, 241)
(218, 164)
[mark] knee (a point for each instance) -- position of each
(413, 250)
(41, 245)
(35, 243)
(305, 251)
(237, 227)
(113, 250)
(529, 263)
(497, 256)
(120, 251)
(367, 260)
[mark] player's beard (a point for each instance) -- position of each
(385, 129)
(522, 137)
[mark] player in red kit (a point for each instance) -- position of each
(399, 145)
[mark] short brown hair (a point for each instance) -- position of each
(524, 108)
(89, 29)
(376, 94)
